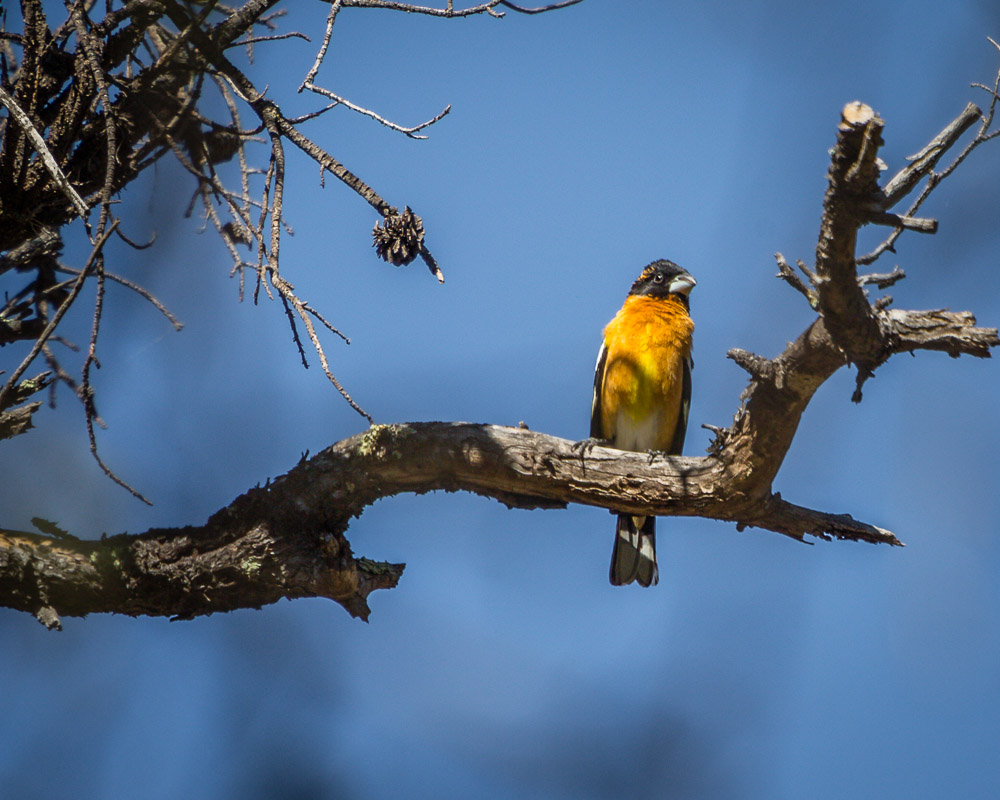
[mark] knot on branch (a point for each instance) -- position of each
(399, 238)
(720, 438)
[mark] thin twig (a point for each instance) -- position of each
(331, 17)
(918, 224)
(86, 390)
(283, 287)
(431, 263)
(433, 12)
(787, 274)
(378, 118)
(312, 114)
(540, 9)
(326, 323)
(92, 49)
(275, 38)
(145, 294)
(43, 337)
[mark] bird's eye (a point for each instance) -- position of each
(658, 278)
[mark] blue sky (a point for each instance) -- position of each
(581, 145)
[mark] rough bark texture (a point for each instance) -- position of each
(252, 553)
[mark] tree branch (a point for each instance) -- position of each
(287, 538)
(868, 335)
(237, 560)
(853, 183)
(921, 163)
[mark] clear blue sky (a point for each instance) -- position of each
(581, 145)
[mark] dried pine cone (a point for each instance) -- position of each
(399, 237)
(221, 145)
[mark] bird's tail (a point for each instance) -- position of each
(634, 555)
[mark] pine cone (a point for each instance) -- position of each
(399, 237)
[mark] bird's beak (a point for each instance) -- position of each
(682, 284)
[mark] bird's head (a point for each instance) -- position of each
(664, 279)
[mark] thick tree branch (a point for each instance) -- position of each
(237, 561)
(287, 539)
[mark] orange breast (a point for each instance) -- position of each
(647, 342)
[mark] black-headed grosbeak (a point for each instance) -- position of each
(642, 392)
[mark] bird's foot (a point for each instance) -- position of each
(584, 446)
(655, 454)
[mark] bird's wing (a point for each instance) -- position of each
(595, 406)
(682, 418)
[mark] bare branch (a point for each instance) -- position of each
(411, 132)
(392, 5)
(756, 365)
(331, 18)
(540, 9)
(145, 294)
(883, 280)
(792, 520)
(15, 421)
(903, 222)
(921, 163)
(287, 539)
(24, 122)
(275, 38)
(288, 294)
(787, 274)
(44, 336)
(246, 561)
(241, 20)
(951, 332)
(93, 48)
(927, 158)
(110, 142)
(330, 164)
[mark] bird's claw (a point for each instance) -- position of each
(654, 454)
(584, 446)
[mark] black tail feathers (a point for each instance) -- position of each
(634, 555)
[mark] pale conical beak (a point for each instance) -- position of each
(682, 284)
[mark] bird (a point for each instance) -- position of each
(642, 393)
